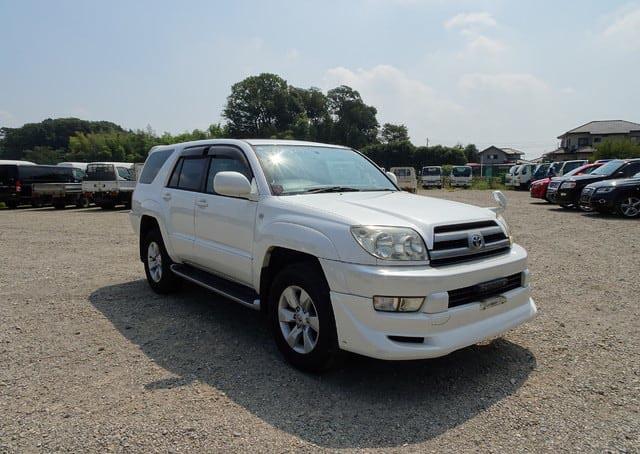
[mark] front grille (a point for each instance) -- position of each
(484, 290)
(453, 243)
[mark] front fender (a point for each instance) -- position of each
(290, 236)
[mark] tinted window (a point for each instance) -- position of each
(175, 176)
(154, 162)
(8, 174)
(191, 174)
(632, 169)
(461, 172)
(608, 168)
(570, 166)
(226, 164)
(45, 174)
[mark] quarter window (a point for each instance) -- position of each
(154, 162)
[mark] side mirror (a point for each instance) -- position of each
(393, 177)
(232, 184)
(501, 200)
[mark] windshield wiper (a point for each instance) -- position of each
(331, 189)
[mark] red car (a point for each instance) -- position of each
(538, 189)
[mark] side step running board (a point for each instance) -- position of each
(232, 290)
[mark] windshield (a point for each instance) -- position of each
(298, 169)
(461, 171)
(431, 171)
(608, 168)
(583, 170)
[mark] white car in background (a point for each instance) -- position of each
(461, 176)
(406, 178)
(335, 261)
(431, 176)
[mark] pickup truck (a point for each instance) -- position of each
(336, 261)
(431, 176)
(62, 194)
(108, 184)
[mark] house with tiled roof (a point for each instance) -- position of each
(580, 142)
(499, 155)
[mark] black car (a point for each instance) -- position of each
(570, 188)
(16, 181)
(621, 196)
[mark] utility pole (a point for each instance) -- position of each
(427, 142)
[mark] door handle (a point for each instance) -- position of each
(166, 196)
(202, 203)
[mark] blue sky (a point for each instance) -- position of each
(511, 73)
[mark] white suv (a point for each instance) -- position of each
(321, 240)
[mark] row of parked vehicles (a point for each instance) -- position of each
(105, 184)
(432, 176)
(606, 186)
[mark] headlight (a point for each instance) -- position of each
(390, 243)
(605, 190)
(569, 184)
(397, 304)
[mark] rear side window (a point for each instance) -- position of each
(188, 173)
(154, 162)
(632, 169)
(46, 174)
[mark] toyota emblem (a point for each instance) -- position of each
(476, 241)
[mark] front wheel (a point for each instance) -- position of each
(566, 206)
(157, 264)
(629, 207)
(302, 318)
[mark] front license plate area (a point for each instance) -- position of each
(492, 302)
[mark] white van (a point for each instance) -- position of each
(460, 176)
(431, 176)
(76, 165)
(523, 176)
(406, 178)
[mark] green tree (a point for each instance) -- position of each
(393, 133)
(471, 153)
(617, 148)
(44, 155)
(354, 122)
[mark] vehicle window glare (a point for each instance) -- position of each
(225, 164)
(608, 168)
(125, 173)
(152, 166)
(191, 174)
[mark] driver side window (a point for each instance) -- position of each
(226, 163)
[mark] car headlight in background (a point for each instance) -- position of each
(605, 190)
(568, 184)
(390, 243)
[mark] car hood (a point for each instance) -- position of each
(585, 178)
(391, 208)
(616, 183)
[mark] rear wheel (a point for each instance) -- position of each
(107, 205)
(59, 205)
(82, 202)
(157, 264)
(629, 206)
(302, 318)
(36, 203)
(12, 204)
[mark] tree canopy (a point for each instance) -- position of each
(262, 106)
(617, 148)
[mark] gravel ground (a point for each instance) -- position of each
(91, 359)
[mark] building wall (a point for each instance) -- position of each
(572, 142)
(501, 157)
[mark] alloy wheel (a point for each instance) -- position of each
(154, 261)
(298, 319)
(630, 207)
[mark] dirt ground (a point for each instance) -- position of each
(91, 359)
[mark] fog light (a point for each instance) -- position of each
(397, 304)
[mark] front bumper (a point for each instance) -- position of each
(599, 201)
(567, 196)
(436, 329)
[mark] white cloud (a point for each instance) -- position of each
(623, 28)
(399, 98)
(292, 54)
(508, 83)
(469, 20)
(480, 43)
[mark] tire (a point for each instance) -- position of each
(107, 205)
(59, 205)
(82, 202)
(629, 206)
(566, 206)
(315, 346)
(12, 204)
(36, 203)
(159, 275)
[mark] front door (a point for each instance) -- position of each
(224, 226)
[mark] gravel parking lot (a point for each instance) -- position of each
(91, 359)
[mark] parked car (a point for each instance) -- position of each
(523, 176)
(78, 165)
(460, 176)
(336, 261)
(568, 166)
(619, 196)
(406, 178)
(16, 162)
(17, 180)
(541, 171)
(539, 188)
(570, 188)
(108, 184)
(431, 176)
(508, 177)
(61, 194)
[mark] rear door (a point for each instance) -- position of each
(224, 225)
(185, 184)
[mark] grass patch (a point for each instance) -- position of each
(487, 183)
